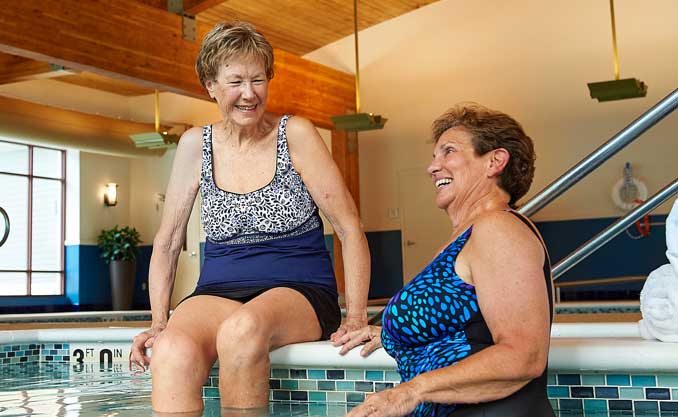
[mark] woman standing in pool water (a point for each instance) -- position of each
(470, 333)
(267, 280)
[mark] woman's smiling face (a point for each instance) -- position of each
(241, 90)
(456, 170)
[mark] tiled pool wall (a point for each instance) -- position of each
(113, 316)
(70, 318)
(597, 309)
(588, 392)
(34, 352)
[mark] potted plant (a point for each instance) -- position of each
(119, 249)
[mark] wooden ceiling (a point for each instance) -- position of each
(295, 26)
(302, 26)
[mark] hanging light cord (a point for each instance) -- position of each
(357, 64)
(614, 42)
(157, 111)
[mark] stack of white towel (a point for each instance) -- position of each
(659, 297)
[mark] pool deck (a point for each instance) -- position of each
(574, 346)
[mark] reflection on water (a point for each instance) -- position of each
(88, 390)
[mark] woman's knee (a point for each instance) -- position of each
(243, 338)
(176, 349)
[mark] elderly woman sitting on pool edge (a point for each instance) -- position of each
(470, 333)
(267, 279)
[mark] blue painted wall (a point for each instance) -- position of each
(622, 256)
(88, 287)
(386, 262)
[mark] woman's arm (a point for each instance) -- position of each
(324, 182)
(505, 260)
(168, 241)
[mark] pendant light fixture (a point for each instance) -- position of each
(157, 139)
(617, 89)
(358, 121)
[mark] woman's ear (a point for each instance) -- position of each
(499, 158)
(209, 85)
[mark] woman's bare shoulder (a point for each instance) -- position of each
(505, 228)
(299, 128)
(191, 141)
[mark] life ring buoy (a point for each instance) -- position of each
(628, 205)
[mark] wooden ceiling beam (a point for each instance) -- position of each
(142, 44)
(60, 127)
(193, 7)
(14, 69)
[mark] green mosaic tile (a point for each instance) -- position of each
(289, 384)
(643, 381)
(667, 380)
(595, 405)
(308, 385)
(618, 379)
(345, 386)
(318, 396)
(631, 393)
(319, 410)
(336, 397)
(392, 376)
(316, 374)
(674, 394)
(593, 379)
(551, 379)
(355, 375)
(554, 403)
(210, 392)
(558, 392)
(374, 375)
(280, 373)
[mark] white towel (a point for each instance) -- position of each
(659, 297)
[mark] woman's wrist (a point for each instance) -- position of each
(357, 315)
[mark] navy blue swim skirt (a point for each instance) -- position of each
(324, 301)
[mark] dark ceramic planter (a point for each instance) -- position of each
(122, 284)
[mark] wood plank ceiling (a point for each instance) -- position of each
(302, 26)
(296, 26)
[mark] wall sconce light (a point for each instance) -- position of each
(111, 194)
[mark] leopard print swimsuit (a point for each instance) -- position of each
(269, 236)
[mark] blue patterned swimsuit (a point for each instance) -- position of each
(434, 321)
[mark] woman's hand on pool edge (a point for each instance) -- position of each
(140, 343)
(370, 336)
(350, 323)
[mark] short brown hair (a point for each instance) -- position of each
(228, 40)
(491, 130)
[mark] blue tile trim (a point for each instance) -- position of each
(657, 394)
(569, 379)
(607, 392)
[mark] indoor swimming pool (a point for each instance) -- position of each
(595, 369)
(90, 390)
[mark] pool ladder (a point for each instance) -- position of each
(585, 167)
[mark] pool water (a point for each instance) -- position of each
(90, 390)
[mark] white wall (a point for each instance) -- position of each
(96, 171)
(529, 58)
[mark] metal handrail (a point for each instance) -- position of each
(613, 230)
(599, 281)
(600, 155)
(6, 235)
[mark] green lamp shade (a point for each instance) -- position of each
(617, 89)
(154, 140)
(358, 122)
